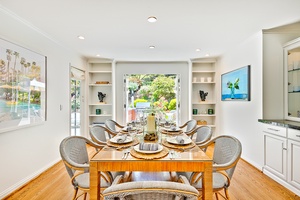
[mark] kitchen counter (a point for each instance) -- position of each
(282, 123)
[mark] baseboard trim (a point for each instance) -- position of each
(26, 180)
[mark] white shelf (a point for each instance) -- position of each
(101, 115)
(100, 72)
(203, 71)
(204, 115)
(204, 103)
(100, 85)
(204, 82)
(100, 104)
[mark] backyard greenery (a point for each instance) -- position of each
(154, 88)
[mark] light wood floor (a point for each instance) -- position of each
(248, 183)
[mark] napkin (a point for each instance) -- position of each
(127, 128)
(180, 139)
(120, 138)
(173, 128)
(148, 146)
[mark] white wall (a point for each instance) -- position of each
(27, 152)
(240, 118)
(181, 68)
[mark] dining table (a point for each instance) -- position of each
(191, 159)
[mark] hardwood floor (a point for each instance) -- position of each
(248, 183)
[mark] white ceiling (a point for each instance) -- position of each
(119, 29)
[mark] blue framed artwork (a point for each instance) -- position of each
(236, 85)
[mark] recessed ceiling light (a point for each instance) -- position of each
(152, 19)
(198, 50)
(80, 37)
(152, 47)
(207, 55)
(98, 55)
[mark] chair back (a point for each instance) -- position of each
(110, 124)
(203, 134)
(227, 151)
(191, 124)
(98, 135)
(73, 152)
(151, 190)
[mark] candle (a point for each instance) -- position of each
(151, 123)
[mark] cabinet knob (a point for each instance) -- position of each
(284, 148)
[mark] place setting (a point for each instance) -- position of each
(149, 151)
(180, 142)
(122, 141)
(172, 130)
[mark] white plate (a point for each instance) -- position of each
(173, 140)
(127, 140)
(136, 148)
(173, 130)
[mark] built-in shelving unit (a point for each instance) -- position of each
(100, 80)
(203, 78)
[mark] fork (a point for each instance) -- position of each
(125, 154)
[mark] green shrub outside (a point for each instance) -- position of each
(172, 104)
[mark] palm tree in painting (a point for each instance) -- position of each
(8, 57)
(16, 54)
(22, 62)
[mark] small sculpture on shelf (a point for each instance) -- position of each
(101, 97)
(203, 95)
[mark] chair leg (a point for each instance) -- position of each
(84, 197)
(217, 196)
(75, 193)
(226, 193)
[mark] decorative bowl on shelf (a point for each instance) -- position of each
(102, 82)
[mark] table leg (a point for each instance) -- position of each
(94, 181)
(207, 191)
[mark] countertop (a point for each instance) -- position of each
(282, 123)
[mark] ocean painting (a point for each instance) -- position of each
(236, 85)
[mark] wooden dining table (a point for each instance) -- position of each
(190, 160)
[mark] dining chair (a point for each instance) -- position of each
(203, 134)
(98, 134)
(190, 127)
(226, 154)
(151, 190)
(74, 154)
(113, 126)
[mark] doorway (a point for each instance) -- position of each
(76, 85)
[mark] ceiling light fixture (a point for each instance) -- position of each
(152, 19)
(197, 50)
(98, 55)
(207, 55)
(152, 47)
(81, 37)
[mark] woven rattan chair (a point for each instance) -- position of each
(190, 127)
(227, 152)
(113, 126)
(98, 134)
(203, 134)
(143, 190)
(75, 157)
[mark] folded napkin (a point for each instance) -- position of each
(180, 139)
(148, 146)
(120, 138)
(127, 128)
(173, 128)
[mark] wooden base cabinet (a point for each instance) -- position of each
(282, 156)
(275, 144)
(294, 157)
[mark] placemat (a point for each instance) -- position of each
(161, 154)
(164, 131)
(135, 141)
(178, 146)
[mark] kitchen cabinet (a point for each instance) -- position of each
(294, 157)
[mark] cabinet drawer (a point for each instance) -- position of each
(275, 130)
(294, 134)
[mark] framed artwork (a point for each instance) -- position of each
(22, 87)
(236, 85)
